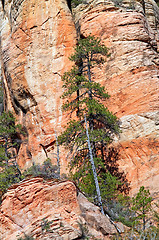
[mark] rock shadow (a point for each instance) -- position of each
(111, 157)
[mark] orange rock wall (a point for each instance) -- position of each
(131, 77)
(31, 203)
(36, 39)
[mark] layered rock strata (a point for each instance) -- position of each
(29, 206)
(131, 77)
(36, 39)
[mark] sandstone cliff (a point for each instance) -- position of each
(28, 205)
(131, 77)
(36, 39)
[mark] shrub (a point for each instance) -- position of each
(8, 177)
(26, 237)
(46, 170)
(75, 3)
(9, 144)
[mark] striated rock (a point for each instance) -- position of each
(26, 204)
(29, 205)
(37, 37)
(131, 78)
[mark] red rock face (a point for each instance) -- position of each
(36, 40)
(31, 203)
(131, 77)
(25, 206)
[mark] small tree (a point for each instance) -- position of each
(9, 143)
(45, 170)
(26, 237)
(142, 205)
(141, 213)
(9, 140)
(84, 96)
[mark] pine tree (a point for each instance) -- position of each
(9, 143)
(84, 97)
(142, 205)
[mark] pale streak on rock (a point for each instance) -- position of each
(139, 125)
(37, 38)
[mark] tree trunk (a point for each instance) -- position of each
(96, 179)
(144, 220)
(58, 155)
(80, 68)
(94, 170)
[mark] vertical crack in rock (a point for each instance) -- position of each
(69, 5)
(3, 2)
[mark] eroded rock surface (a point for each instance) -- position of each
(139, 145)
(27, 206)
(93, 216)
(36, 39)
(131, 77)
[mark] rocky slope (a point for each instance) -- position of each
(29, 205)
(37, 38)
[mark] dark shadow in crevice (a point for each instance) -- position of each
(3, 2)
(69, 5)
(82, 36)
(18, 106)
(111, 158)
(23, 94)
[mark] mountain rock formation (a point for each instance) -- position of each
(131, 77)
(28, 206)
(36, 39)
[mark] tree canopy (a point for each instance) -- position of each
(9, 143)
(84, 97)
